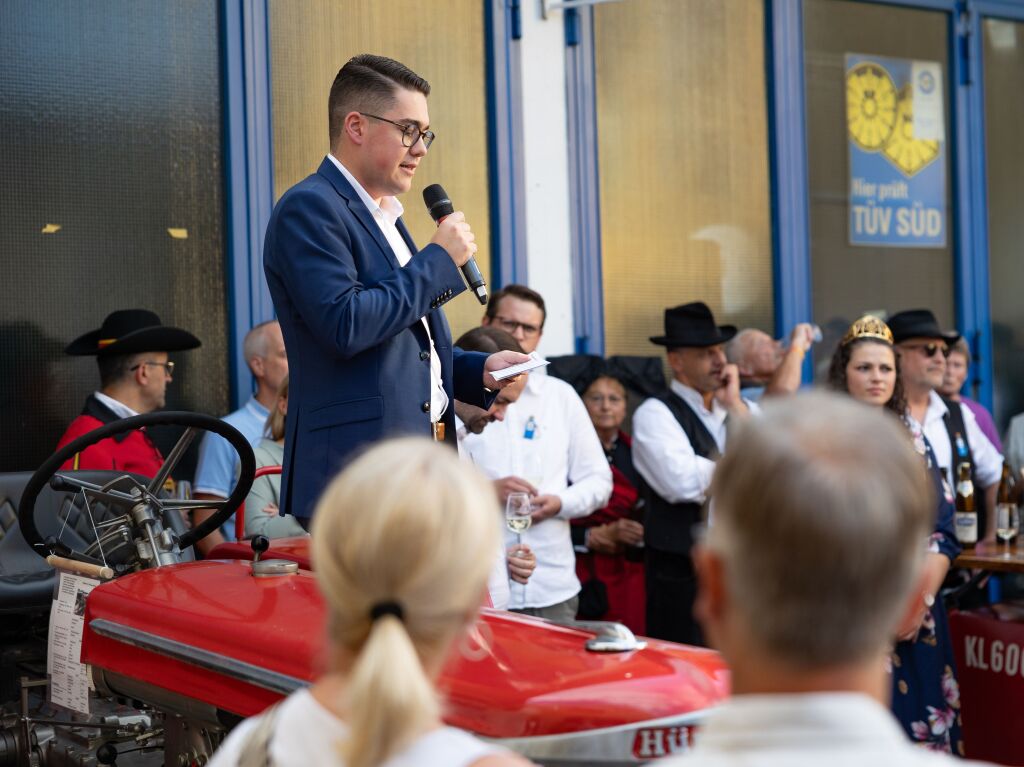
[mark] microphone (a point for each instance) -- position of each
(439, 207)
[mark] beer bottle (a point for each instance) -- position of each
(966, 513)
(1007, 519)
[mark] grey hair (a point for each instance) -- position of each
(737, 349)
(822, 512)
(255, 343)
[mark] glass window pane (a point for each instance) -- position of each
(1004, 114)
(310, 42)
(683, 153)
(112, 198)
(850, 280)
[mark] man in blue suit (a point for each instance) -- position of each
(369, 350)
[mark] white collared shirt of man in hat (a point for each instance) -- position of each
(922, 347)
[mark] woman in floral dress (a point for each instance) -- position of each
(925, 693)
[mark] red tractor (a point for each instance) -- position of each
(177, 651)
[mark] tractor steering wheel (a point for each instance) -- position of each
(193, 423)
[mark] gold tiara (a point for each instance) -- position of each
(867, 326)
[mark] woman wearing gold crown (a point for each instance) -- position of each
(925, 693)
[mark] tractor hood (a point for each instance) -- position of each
(213, 632)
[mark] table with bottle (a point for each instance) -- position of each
(988, 640)
(1006, 553)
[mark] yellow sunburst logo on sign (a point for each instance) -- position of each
(907, 153)
(870, 106)
(879, 119)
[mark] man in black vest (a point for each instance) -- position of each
(952, 430)
(677, 437)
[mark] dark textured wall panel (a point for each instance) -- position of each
(110, 127)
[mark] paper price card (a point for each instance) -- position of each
(69, 677)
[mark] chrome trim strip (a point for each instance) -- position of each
(603, 747)
(195, 656)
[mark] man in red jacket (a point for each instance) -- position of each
(133, 380)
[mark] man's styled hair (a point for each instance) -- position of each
(489, 340)
(521, 292)
(115, 368)
(822, 510)
(367, 83)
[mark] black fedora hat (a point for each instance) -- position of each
(918, 323)
(693, 325)
(128, 331)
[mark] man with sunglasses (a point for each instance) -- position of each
(952, 429)
(133, 381)
(369, 350)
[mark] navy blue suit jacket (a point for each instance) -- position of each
(358, 355)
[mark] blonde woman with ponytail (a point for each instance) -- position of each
(402, 544)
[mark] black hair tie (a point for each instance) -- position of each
(381, 609)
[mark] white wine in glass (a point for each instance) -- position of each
(1007, 521)
(517, 512)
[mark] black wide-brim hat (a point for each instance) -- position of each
(692, 324)
(918, 323)
(129, 331)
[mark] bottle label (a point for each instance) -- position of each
(530, 432)
(967, 527)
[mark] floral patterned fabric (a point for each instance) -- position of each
(925, 693)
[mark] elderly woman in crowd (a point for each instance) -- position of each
(926, 696)
(262, 514)
(402, 585)
(613, 536)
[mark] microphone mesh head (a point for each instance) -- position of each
(437, 202)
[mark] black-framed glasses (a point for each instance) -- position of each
(410, 133)
(930, 349)
(511, 326)
(168, 366)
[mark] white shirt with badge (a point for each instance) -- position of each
(547, 439)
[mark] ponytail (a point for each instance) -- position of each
(403, 541)
(389, 699)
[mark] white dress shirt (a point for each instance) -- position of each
(386, 215)
(117, 407)
(564, 457)
(662, 452)
(1015, 445)
(988, 463)
(805, 730)
(498, 578)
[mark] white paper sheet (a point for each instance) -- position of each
(69, 677)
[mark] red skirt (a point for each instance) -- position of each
(624, 580)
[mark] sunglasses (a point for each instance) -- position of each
(930, 349)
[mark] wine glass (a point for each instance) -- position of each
(517, 514)
(1007, 523)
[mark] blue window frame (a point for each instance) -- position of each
(248, 168)
(789, 183)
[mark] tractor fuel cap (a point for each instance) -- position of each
(272, 568)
